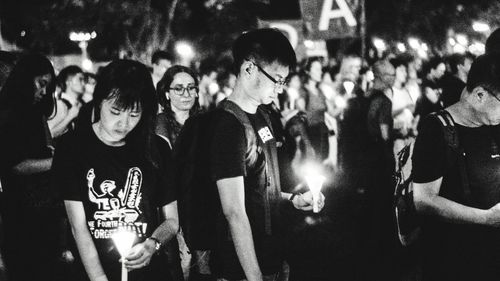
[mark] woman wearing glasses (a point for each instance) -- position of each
(178, 95)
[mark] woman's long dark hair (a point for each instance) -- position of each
(131, 85)
(18, 92)
(163, 87)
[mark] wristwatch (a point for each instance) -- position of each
(157, 243)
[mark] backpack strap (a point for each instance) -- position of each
(242, 117)
(452, 141)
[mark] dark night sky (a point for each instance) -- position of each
(392, 19)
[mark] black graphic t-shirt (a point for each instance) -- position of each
(261, 201)
(118, 187)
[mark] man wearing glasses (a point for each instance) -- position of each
(248, 242)
(458, 194)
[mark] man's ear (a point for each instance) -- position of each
(479, 93)
(247, 67)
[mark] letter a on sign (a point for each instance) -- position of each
(328, 14)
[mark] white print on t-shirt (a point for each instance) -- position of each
(265, 134)
(116, 211)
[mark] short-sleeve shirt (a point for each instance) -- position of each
(118, 187)
(461, 248)
(227, 157)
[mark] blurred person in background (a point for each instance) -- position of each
(453, 82)
(68, 103)
(31, 209)
(160, 61)
(208, 84)
(403, 106)
(432, 71)
(89, 81)
(312, 101)
(226, 81)
(382, 244)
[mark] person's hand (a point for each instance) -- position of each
(67, 256)
(304, 201)
(140, 255)
(493, 216)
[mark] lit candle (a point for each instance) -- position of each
(123, 240)
(314, 181)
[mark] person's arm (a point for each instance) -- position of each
(141, 253)
(427, 201)
(32, 166)
(84, 242)
(232, 197)
(59, 128)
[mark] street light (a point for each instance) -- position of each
(462, 39)
(480, 26)
(401, 47)
(185, 52)
(83, 39)
(414, 43)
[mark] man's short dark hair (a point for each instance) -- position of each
(431, 64)
(161, 55)
(265, 46)
(455, 60)
(493, 42)
(485, 72)
(65, 74)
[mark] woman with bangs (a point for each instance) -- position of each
(115, 176)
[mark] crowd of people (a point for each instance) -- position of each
(85, 156)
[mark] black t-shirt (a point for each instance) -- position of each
(380, 152)
(227, 157)
(452, 248)
(26, 136)
(118, 188)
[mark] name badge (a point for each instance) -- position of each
(265, 134)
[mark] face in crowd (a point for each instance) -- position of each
(267, 81)
(40, 84)
(76, 83)
(117, 122)
(182, 92)
(161, 67)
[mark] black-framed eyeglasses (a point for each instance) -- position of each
(277, 83)
(179, 90)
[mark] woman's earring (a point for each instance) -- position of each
(167, 96)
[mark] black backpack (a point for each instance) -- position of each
(407, 220)
(198, 198)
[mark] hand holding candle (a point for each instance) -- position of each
(123, 240)
(315, 182)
